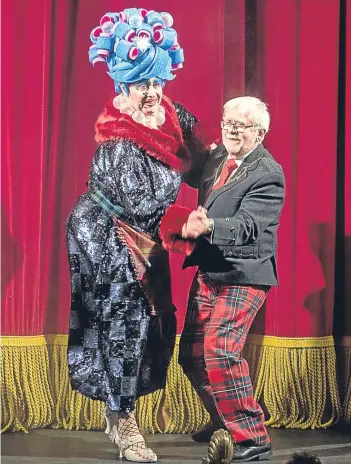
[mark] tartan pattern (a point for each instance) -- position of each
(105, 203)
(216, 326)
(151, 266)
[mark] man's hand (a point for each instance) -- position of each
(196, 225)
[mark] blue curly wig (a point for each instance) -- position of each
(136, 44)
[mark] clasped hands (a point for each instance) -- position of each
(196, 225)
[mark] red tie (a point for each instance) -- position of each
(228, 168)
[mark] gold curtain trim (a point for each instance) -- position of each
(36, 392)
(266, 340)
(35, 340)
(345, 354)
(286, 342)
(295, 381)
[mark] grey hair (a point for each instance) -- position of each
(256, 110)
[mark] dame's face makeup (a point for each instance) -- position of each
(146, 95)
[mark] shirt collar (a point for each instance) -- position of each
(241, 159)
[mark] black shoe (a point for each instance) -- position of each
(252, 453)
(204, 435)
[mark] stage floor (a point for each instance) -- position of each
(49, 446)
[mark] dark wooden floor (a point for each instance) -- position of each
(48, 446)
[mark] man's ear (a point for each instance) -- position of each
(261, 135)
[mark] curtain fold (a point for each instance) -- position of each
(303, 140)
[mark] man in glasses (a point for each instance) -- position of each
(235, 233)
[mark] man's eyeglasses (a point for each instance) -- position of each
(235, 126)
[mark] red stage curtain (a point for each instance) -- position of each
(51, 98)
(292, 60)
(293, 54)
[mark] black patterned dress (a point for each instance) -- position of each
(116, 352)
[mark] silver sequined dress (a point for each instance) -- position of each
(115, 353)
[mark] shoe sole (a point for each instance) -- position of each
(203, 442)
(260, 457)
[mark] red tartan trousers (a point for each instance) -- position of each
(216, 326)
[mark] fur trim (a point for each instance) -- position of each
(173, 220)
(171, 228)
(166, 144)
(180, 245)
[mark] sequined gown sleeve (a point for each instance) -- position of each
(112, 355)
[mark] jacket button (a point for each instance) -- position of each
(240, 255)
(231, 229)
(230, 253)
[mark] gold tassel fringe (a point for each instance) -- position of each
(295, 381)
(34, 373)
(345, 348)
(36, 392)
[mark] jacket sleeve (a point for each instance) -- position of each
(259, 208)
(198, 137)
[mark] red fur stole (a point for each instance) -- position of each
(166, 144)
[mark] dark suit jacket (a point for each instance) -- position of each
(242, 249)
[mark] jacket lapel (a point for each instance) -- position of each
(215, 161)
(248, 165)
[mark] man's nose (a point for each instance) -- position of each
(152, 91)
(233, 129)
